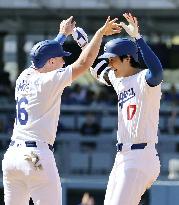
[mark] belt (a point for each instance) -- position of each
(134, 146)
(31, 144)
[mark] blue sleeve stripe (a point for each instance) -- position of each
(60, 38)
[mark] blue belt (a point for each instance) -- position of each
(134, 146)
(31, 144)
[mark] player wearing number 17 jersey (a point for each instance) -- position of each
(137, 164)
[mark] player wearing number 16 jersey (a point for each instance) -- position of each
(136, 165)
(29, 167)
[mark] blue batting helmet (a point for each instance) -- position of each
(120, 47)
(44, 50)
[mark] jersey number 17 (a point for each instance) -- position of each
(131, 110)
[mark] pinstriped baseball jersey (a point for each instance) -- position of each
(34, 121)
(137, 119)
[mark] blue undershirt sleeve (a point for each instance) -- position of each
(60, 38)
(154, 75)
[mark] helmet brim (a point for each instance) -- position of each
(66, 54)
(107, 55)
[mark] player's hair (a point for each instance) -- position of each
(133, 63)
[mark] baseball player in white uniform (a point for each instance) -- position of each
(29, 167)
(136, 164)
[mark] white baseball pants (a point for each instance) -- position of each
(21, 181)
(133, 172)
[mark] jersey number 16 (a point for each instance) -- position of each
(21, 113)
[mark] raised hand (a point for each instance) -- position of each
(80, 37)
(132, 28)
(110, 27)
(67, 26)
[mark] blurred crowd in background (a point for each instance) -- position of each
(84, 95)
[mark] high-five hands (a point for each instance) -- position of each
(132, 28)
(110, 27)
(67, 26)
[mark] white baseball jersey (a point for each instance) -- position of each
(138, 108)
(38, 100)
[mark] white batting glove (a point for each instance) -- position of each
(132, 28)
(80, 37)
(34, 158)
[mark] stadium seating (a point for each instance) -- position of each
(173, 168)
(101, 162)
(79, 163)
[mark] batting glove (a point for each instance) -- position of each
(34, 159)
(80, 37)
(132, 28)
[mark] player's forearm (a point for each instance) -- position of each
(88, 55)
(91, 51)
(151, 60)
(155, 74)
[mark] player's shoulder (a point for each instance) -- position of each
(24, 73)
(56, 75)
(64, 69)
(141, 73)
(59, 70)
(62, 72)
